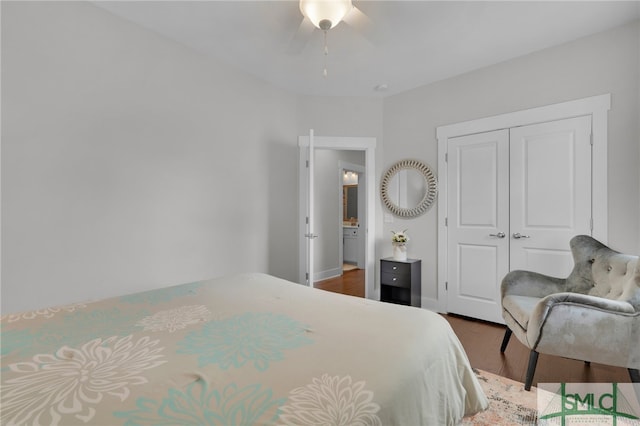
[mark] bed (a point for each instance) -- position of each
(243, 349)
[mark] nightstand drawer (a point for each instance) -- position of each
(395, 280)
(396, 268)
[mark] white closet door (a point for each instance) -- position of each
(515, 199)
(478, 223)
(550, 182)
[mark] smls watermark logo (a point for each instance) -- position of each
(615, 404)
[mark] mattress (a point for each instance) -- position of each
(239, 350)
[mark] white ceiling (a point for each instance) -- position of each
(415, 42)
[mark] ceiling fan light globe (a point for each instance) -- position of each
(318, 11)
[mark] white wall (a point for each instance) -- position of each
(130, 162)
(340, 116)
(599, 64)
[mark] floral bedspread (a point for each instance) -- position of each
(240, 350)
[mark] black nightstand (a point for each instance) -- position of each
(401, 281)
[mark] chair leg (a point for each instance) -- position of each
(634, 373)
(505, 340)
(533, 360)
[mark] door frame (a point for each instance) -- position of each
(368, 145)
(595, 106)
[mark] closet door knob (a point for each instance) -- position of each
(518, 235)
(499, 235)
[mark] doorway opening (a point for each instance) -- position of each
(310, 238)
(352, 212)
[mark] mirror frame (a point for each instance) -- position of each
(427, 201)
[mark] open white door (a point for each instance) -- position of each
(310, 235)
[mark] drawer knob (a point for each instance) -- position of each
(395, 267)
(394, 278)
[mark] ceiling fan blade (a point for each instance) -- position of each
(358, 20)
(301, 37)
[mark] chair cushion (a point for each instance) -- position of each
(616, 278)
(520, 308)
(603, 272)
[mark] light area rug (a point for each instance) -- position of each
(509, 403)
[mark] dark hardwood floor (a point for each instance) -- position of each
(481, 341)
(351, 283)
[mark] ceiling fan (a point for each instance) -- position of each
(325, 15)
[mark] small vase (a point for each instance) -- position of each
(400, 252)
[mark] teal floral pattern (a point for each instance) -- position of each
(198, 406)
(16, 340)
(86, 325)
(258, 338)
(163, 295)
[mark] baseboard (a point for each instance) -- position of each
(325, 275)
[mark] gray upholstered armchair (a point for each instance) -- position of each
(593, 315)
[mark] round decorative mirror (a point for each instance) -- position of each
(409, 188)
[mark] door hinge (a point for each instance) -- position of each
(306, 276)
(446, 157)
(591, 138)
(446, 221)
(591, 224)
(446, 285)
(306, 220)
(307, 163)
